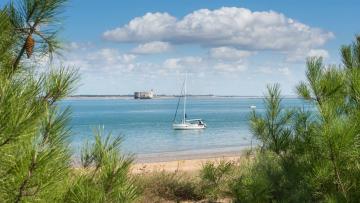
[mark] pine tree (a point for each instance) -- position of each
(318, 149)
(34, 134)
(36, 163)
(104, 173)
(272, 129)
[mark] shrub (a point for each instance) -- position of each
(176, 186)
(107, 173)
(256, 180)
(214, 177)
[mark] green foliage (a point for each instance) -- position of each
(107, 177)
(214, 177)
(35, 157)
(36, 126)
(272, 129)
(351, 54)
(161, 186)
(34, 133)
(27, 17)
(335, 131)
(254, 183)
(306, 156)
(309, 155)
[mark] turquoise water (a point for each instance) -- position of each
(146, 125)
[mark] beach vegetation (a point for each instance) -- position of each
(105, 173)
(309, 154)
(36, 163)
(214, 179)
(34, 135)
(160, 186)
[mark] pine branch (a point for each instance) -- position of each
(23, 185)
(29, 15)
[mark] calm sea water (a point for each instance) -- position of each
(146, 125)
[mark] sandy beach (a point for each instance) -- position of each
(184, 165)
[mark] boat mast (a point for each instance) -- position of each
(184, 116)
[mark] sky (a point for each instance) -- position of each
(227, 47)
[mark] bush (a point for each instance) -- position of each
(310, 155)
(214, 177)
(177, 186)
(255, 180)
(107, 173)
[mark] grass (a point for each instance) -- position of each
(212, 183)
(168, 187)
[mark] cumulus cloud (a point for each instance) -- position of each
(283, 70)
(152, 48)
(228, 53)
(227, 26)
(184, 62)
(300, 55)
(99, 61)
(230, 67)
(150, 27)
(318, 52)
(201, 66)
(110, 56)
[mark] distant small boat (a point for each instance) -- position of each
(191, 124)
(252, 107)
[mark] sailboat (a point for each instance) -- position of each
(191, 124)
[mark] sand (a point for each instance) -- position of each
(184, 165)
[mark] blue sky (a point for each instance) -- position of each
(228, 47)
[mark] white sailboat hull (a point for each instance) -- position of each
(188, 126)
(193, 124)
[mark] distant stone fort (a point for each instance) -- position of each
(144, 95)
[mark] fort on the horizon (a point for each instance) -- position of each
(144, 95)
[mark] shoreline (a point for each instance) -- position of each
(128, 97)
(184, 163)
(188, 164)
(191, 154)
(166, 161)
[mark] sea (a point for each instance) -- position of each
(146, 125)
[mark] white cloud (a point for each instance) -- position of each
(184, 62)
(100, 61)
(300, 55)
(318, 52)
(228, 53)
(230, 67)
(227, 26)
(271, 70)
(110, 56)
(152, 48)
(201, 67)
(172, 63)
(150, 27)
(285, 71)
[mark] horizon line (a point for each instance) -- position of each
(173, 95)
